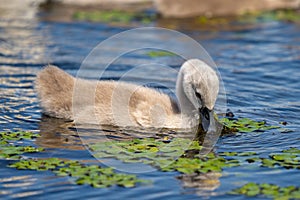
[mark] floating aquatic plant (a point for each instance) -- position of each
(268, 190)
(93, 175)
(172, 156)
(239, 154)
(41, 164)
(289, 158)
(245, 125)
(8, 150)
(14, 152)
(146, 150)
(159, 53)
(97, 176)
(210, 163)
(177, 154)
(20, 135)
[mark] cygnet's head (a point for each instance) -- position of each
(201, 87)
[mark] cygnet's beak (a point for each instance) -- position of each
(207, 120)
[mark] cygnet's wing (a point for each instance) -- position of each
(150, 108)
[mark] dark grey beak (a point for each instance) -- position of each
(207, 120)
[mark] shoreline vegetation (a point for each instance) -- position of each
(178, 9)
(184, 9)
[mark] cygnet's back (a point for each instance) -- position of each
(55, 88)
(115, 103)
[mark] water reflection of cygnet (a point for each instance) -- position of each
(59, 133)
(56, 133)
(63, 134)
(204, 184)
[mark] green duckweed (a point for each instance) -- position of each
(177, 154)
(99, 177)
(172, 156)
(20, 135)
(158, 53)
(14, 152)
(289, 158)
(84, 174)
(93, 175)
(268, 190)
(245, 125)
(10, 151)
(41, 164)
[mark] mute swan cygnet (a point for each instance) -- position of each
(197, 89)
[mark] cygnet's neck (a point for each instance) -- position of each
(187, 109)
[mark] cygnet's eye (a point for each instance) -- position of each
(198, 95)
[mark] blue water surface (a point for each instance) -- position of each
(259, 65)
